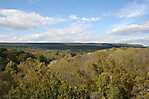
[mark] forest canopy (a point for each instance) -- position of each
(116, 73)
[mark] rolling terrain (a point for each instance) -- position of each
(115, 73)
(69, 46)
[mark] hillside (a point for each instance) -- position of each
(117, 73)
(69, 46)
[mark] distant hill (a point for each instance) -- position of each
(69, 46)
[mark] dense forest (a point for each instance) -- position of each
(116, 73)
(70, 46)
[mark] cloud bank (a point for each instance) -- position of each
(75, 32)
(131, 29)
(17, 19)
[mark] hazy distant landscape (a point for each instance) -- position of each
(70, 46)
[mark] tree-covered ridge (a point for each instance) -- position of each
(121, 73)
(70, 46)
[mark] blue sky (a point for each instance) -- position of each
(113, 21)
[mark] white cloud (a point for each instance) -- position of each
(124, 39)
(85, 19)
(128, 33)
(76, 32)
(140, 40)
(131, 29)
(12, 18)
(133, 10)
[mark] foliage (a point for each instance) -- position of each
(121, 73)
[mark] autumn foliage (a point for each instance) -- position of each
(117, 73)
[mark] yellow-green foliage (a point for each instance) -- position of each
(121, 73)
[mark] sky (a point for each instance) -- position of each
(68, 21)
